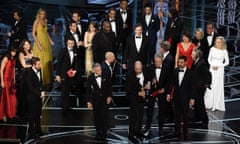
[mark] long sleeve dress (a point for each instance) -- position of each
(214, 97)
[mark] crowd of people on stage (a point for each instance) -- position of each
(162, 63)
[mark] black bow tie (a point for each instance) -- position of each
(138, 37)
(158, 67)
(112, 20)
(123, 12)
(70, 50)
(98, 76)
(209, 35)
(181, 70)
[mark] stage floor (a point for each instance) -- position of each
(77, 127)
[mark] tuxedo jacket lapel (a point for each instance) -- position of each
(141, 48)
(184, 77)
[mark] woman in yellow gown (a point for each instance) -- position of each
(42, 46)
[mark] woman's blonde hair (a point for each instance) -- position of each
(39, 11)
(201, 31)
(224, 45)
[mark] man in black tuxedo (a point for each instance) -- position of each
(137, 48)
(107, 64)
(81, 29)
(72, 33)
(99, 96)
(135, 91)
(201, 80)
(210, 39)
(182, 95)
(19, 30)
(173, 30)
(159, 78)
(66, 70)
(167, 57)
(151, 26)
(81, 26)
(168, 61)
(103, 42)
(124, 15)
(34, 95)
(115, 27)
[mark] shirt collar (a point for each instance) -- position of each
(165, 54)
(107, 62)
(35, 70)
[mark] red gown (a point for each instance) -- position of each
(187, 53)
(8, 95)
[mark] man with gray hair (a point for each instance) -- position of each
(158, 80)
(99, 96)
(168, 61)
(167, 57)
(201, 79)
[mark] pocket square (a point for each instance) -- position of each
(70, 73)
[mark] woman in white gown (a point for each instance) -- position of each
(217, 58)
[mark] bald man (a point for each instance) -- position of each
(107, 64)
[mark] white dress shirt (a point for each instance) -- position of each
(181, 75)
(141, 79)
(165, 55)
(148, 19)
(71, 54)
(16, 22)
(79, 28)
(158, 73)
(76, 38)
(138, 42)
(113, 26)
(124, 15)
(99, 81)
(210, 39)
(37, 73)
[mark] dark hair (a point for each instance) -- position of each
(187, 34)
(70, 38)
(111, 9)
(183, 58)
(35, 60)
(76, 11)
(71, 22)
(148, 5)
(123, 1)
(209, 23)
(19, 13)
(165, 45)
(10, 49)
(137, 25)
(21, 49)
(104, 22)
(173, 12)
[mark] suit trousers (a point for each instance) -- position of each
(136, 118)
(100, 114)
(200, 110)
